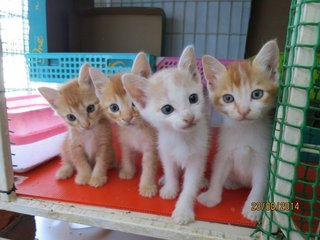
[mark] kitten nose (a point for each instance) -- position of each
(127, 119)
(188, 118)
(244, 112)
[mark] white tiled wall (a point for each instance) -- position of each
(216, 27)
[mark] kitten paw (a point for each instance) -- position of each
(168, 192)
(125, 174)
(64, 172)
(208, 200)
(183, 216)
(251, 215)
(248, 213)
(148, 190)
(82, 179)
(97, 181)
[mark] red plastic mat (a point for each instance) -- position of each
(123, 194)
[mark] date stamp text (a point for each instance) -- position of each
(275, 206)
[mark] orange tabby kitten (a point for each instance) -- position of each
(88, 145)
(245, 93)
(135, 134)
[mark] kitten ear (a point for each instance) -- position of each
(187, 62)
(50, 94)
(141, 65)
(268, 59)
(99, 80)
(84, 77)
(135, 87)
(212, 69)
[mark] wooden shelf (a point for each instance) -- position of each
(125, 221)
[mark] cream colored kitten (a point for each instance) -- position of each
(135, 134)
(172, 101)
(244, 93)
(88, 148)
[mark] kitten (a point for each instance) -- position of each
(135, 134)
(88, 147)
(172, 101)
(245, 93)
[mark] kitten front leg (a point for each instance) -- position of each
(171, 173)
(184, 210)
(103, 159)
(221, 170)
(204, 184)
(66, 170)
(259, 179)
(128, 165)
(148, 186)
(81, 164)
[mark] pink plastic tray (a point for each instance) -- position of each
(36, 132)
(32, 120)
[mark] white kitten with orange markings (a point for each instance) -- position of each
(88, 147)
(172, 101)
(135, 134)
(245, 93)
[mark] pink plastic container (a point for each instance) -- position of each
(37, 133)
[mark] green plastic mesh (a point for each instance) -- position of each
(292, 202)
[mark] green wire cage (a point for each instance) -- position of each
(292, 201)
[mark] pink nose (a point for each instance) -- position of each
(188, 118)
(244, 113)
(127, 119)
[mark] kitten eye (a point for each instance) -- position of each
(71, 117)
(133, 105)
(257, 94)
(91, 108)
(114, 107)
(193, 98)
(167, 109)
(228, 98)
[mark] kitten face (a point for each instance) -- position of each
(175, 100)
(116, 104)
(79, 107)
(244, 91)
(76, 101)
(171, 98)
(114, 99)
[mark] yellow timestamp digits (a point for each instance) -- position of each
(274, 206)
